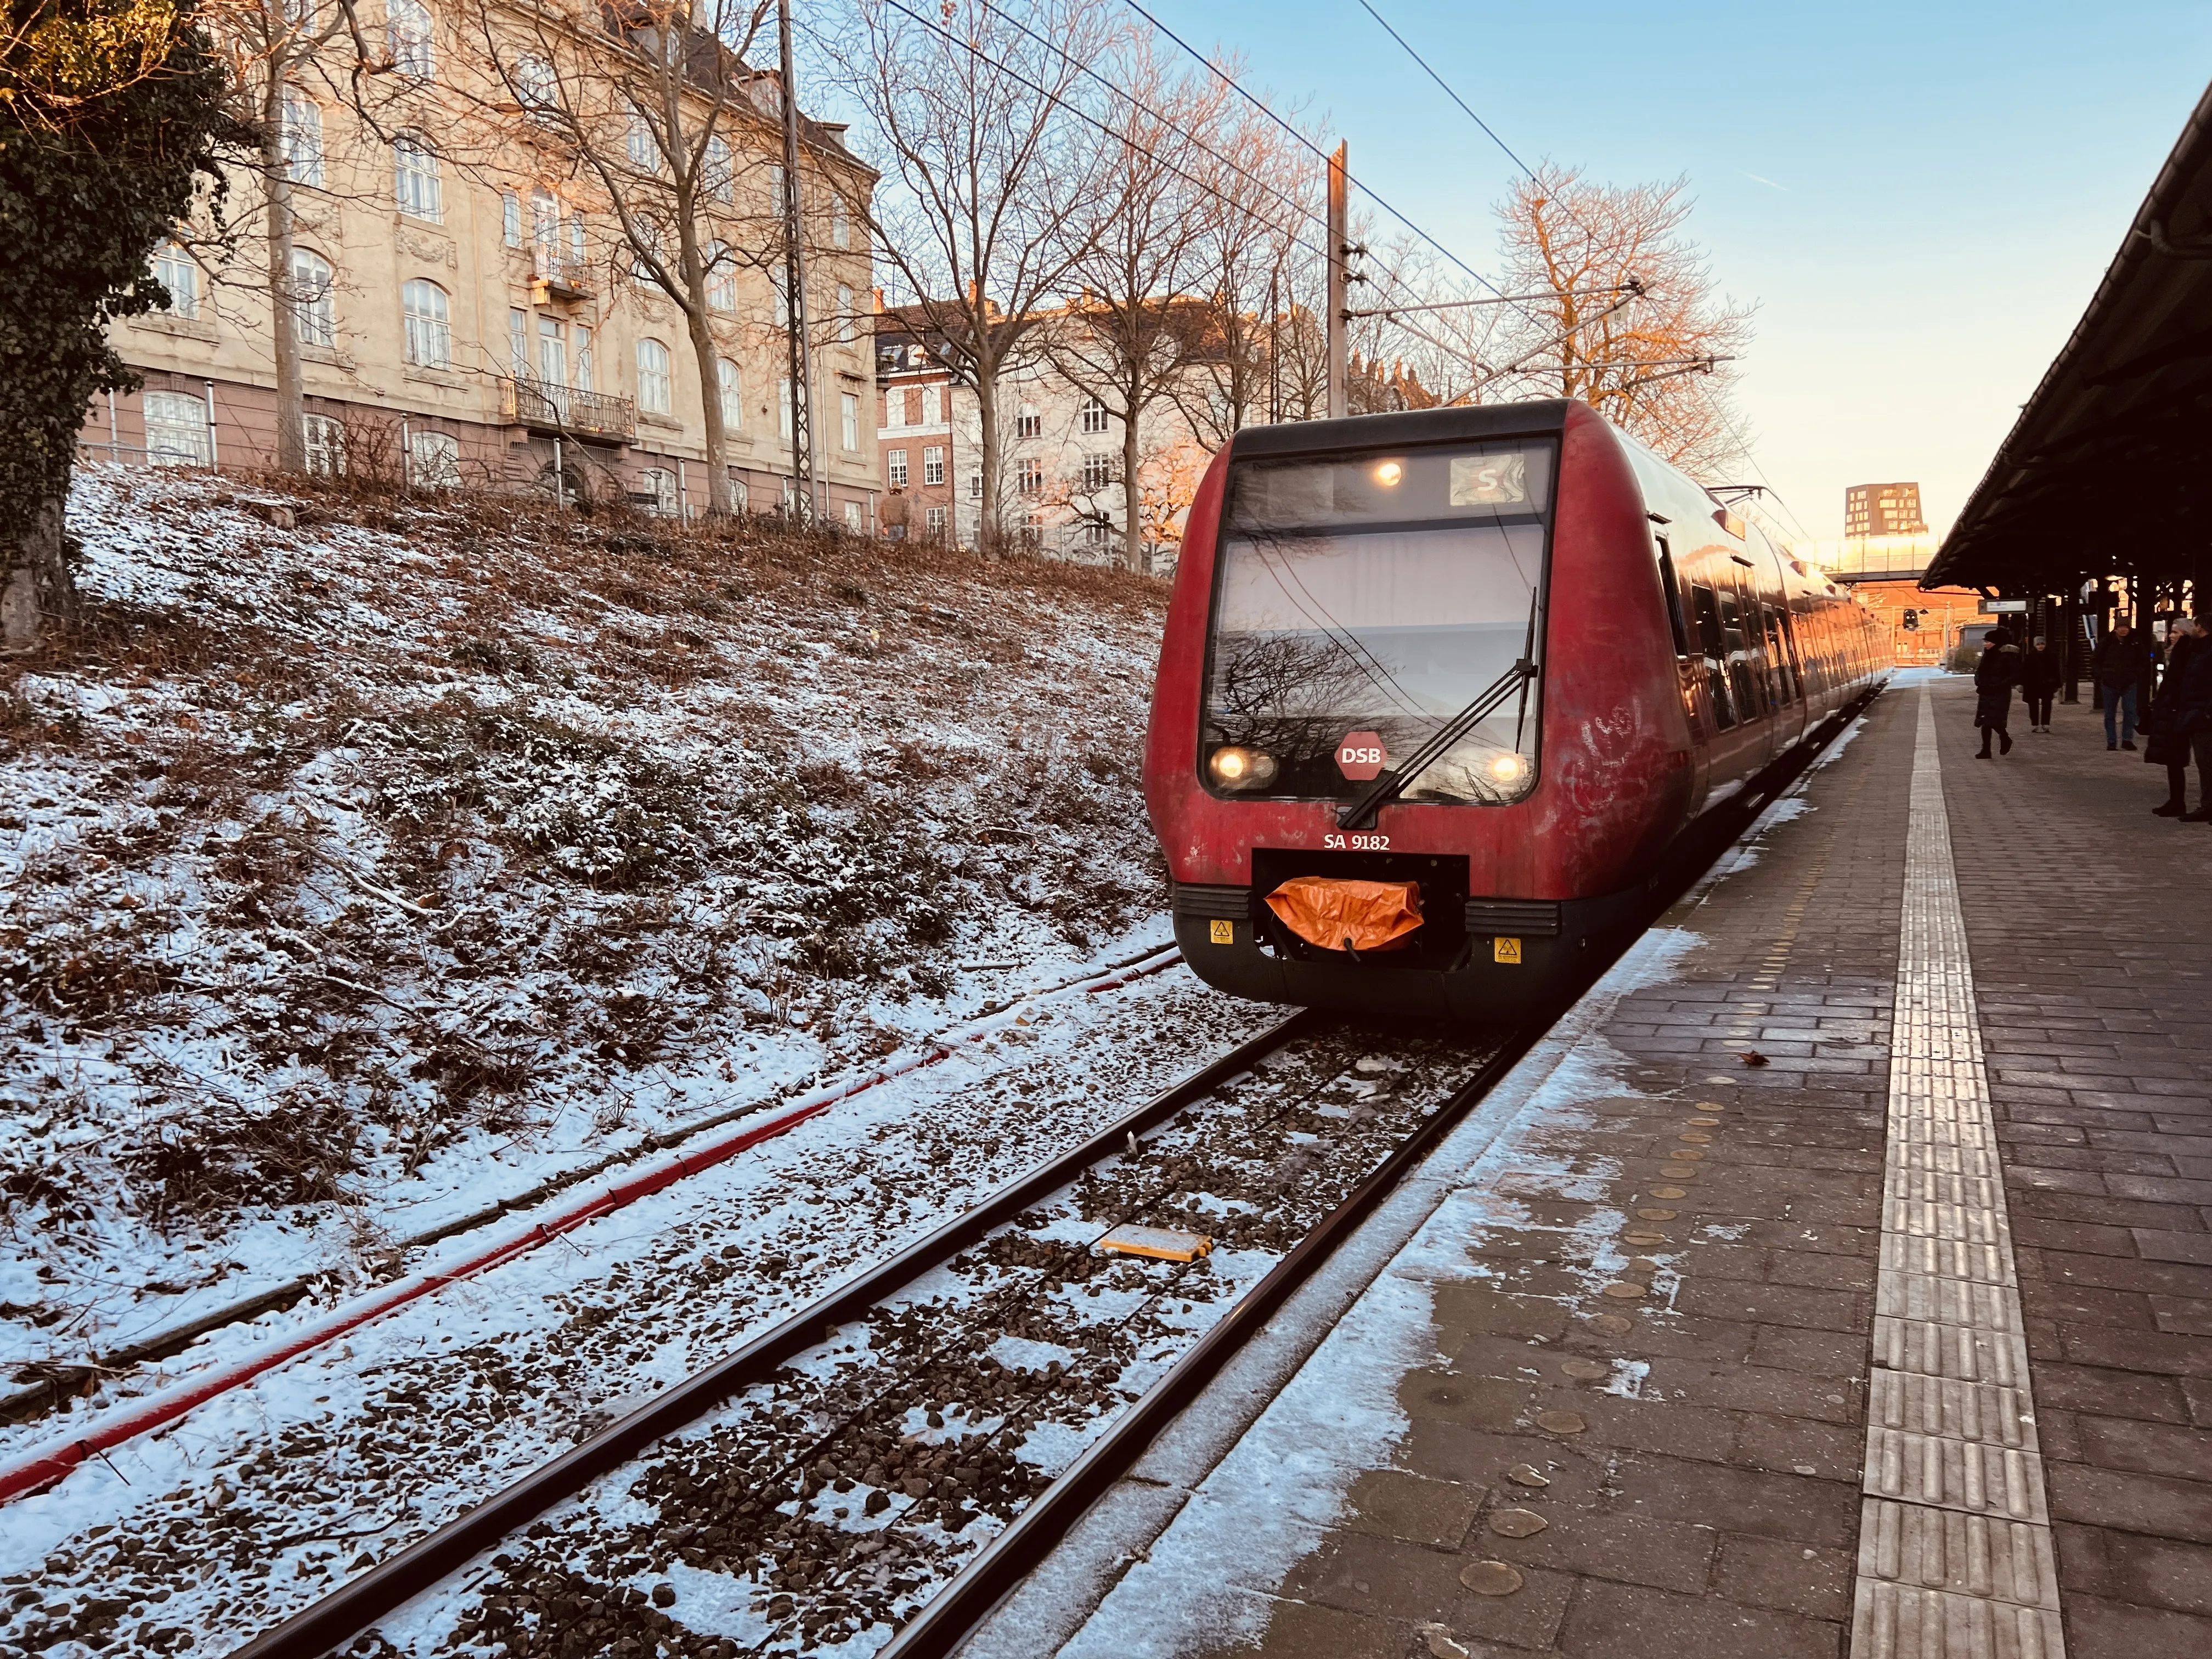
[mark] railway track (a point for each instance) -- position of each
(895, 1455)
(933, 1422)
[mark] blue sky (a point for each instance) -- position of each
(1947, 182)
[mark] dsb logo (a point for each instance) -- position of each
(1360, 755)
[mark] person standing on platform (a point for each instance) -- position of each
(2187, 694)
(2168, 746)
(1995, 675)
(2039, 683)
(2121, 665)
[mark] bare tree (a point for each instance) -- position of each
(1651, 365)
(1257, 256)
(671, 140)
(990, 187)
(1126, 342)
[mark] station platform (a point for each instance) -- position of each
(1839, 1283)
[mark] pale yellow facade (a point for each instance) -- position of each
(482, 316)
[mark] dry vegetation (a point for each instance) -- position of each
(334, 856)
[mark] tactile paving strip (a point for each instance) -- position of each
(1955, 1556)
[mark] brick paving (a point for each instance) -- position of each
(2093, 960)
(1660, 1297)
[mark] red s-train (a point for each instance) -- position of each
(1503, 653)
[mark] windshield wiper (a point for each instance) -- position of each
(1360, 815)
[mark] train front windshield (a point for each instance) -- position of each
(1362, 602)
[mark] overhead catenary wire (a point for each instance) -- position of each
(1260, 104)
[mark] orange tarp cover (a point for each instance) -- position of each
(1367, 915)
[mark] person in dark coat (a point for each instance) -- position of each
(2039, 682)
(1995, 675)
(2191, 698)
(2168, 746)
(2122, 665)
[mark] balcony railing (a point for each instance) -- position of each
(559, 278)
(568, 411)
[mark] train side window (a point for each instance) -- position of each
(1781, 690)
(1674, 599)
(1713, 642)
(1737, 643)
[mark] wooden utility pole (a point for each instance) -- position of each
(1339, 250)
(803, 481)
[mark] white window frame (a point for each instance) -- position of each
(933, 405)
(848, 326)
(848, 422)
(510, 214)
(433, 461)
(730, 386)
(303, 139)
(1029, 476)
(660, 483)
(325, 438)
(656, 378)
(721, 277)
(853, 517)
(932, 519)
(407, 36)
(644, 148)
(177, 431)
(933, 465)
(174, 270)
(416, 183)
(720, 171)
(1028, 422)
(426, 312)
(895, 468)
(841, 222)
(1097, 471)
(314, 302)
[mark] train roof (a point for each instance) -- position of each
(1540, 418)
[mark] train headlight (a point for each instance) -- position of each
(1388, 473)
(1238, 768)
(1509, 769)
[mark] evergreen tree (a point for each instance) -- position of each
(108, 113)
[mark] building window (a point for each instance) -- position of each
(175, 271)
(1097, 471)
(1031, 528)
(783, 400)
(721, 278)
(932, 465)
(434, 460)
(414, 179)
(933, 405)
(314, 304)
(325, 436)
(721, 172)
(177, 430)
(895, 467)
(848, 422)
(657, 495)
(536, 87)
(644, 148)
(853, 517)
(407, 37)
(583, 380)
(430, 323)
(1029, 423)
(932, 519)
(847, 324)
(740, 497)
(1028, 477)
(841, 223)
(775, 282)
(510, 213)
(577, 251)
(655, 393)
(544, 226)
(1094, 415)
(1095, 534)
(518, 343)
(552, 351)
(730, 384)
(303, 139)
(976, 483)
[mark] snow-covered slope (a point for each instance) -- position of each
(355, 873)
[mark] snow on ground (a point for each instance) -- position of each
(357, 875)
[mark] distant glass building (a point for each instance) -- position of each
(1883, 509)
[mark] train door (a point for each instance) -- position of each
(1743, 637)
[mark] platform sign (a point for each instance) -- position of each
(1360, 755)
(2003, 607)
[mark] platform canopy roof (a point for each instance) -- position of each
(2109, 467)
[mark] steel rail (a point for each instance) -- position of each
(357, 1605)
